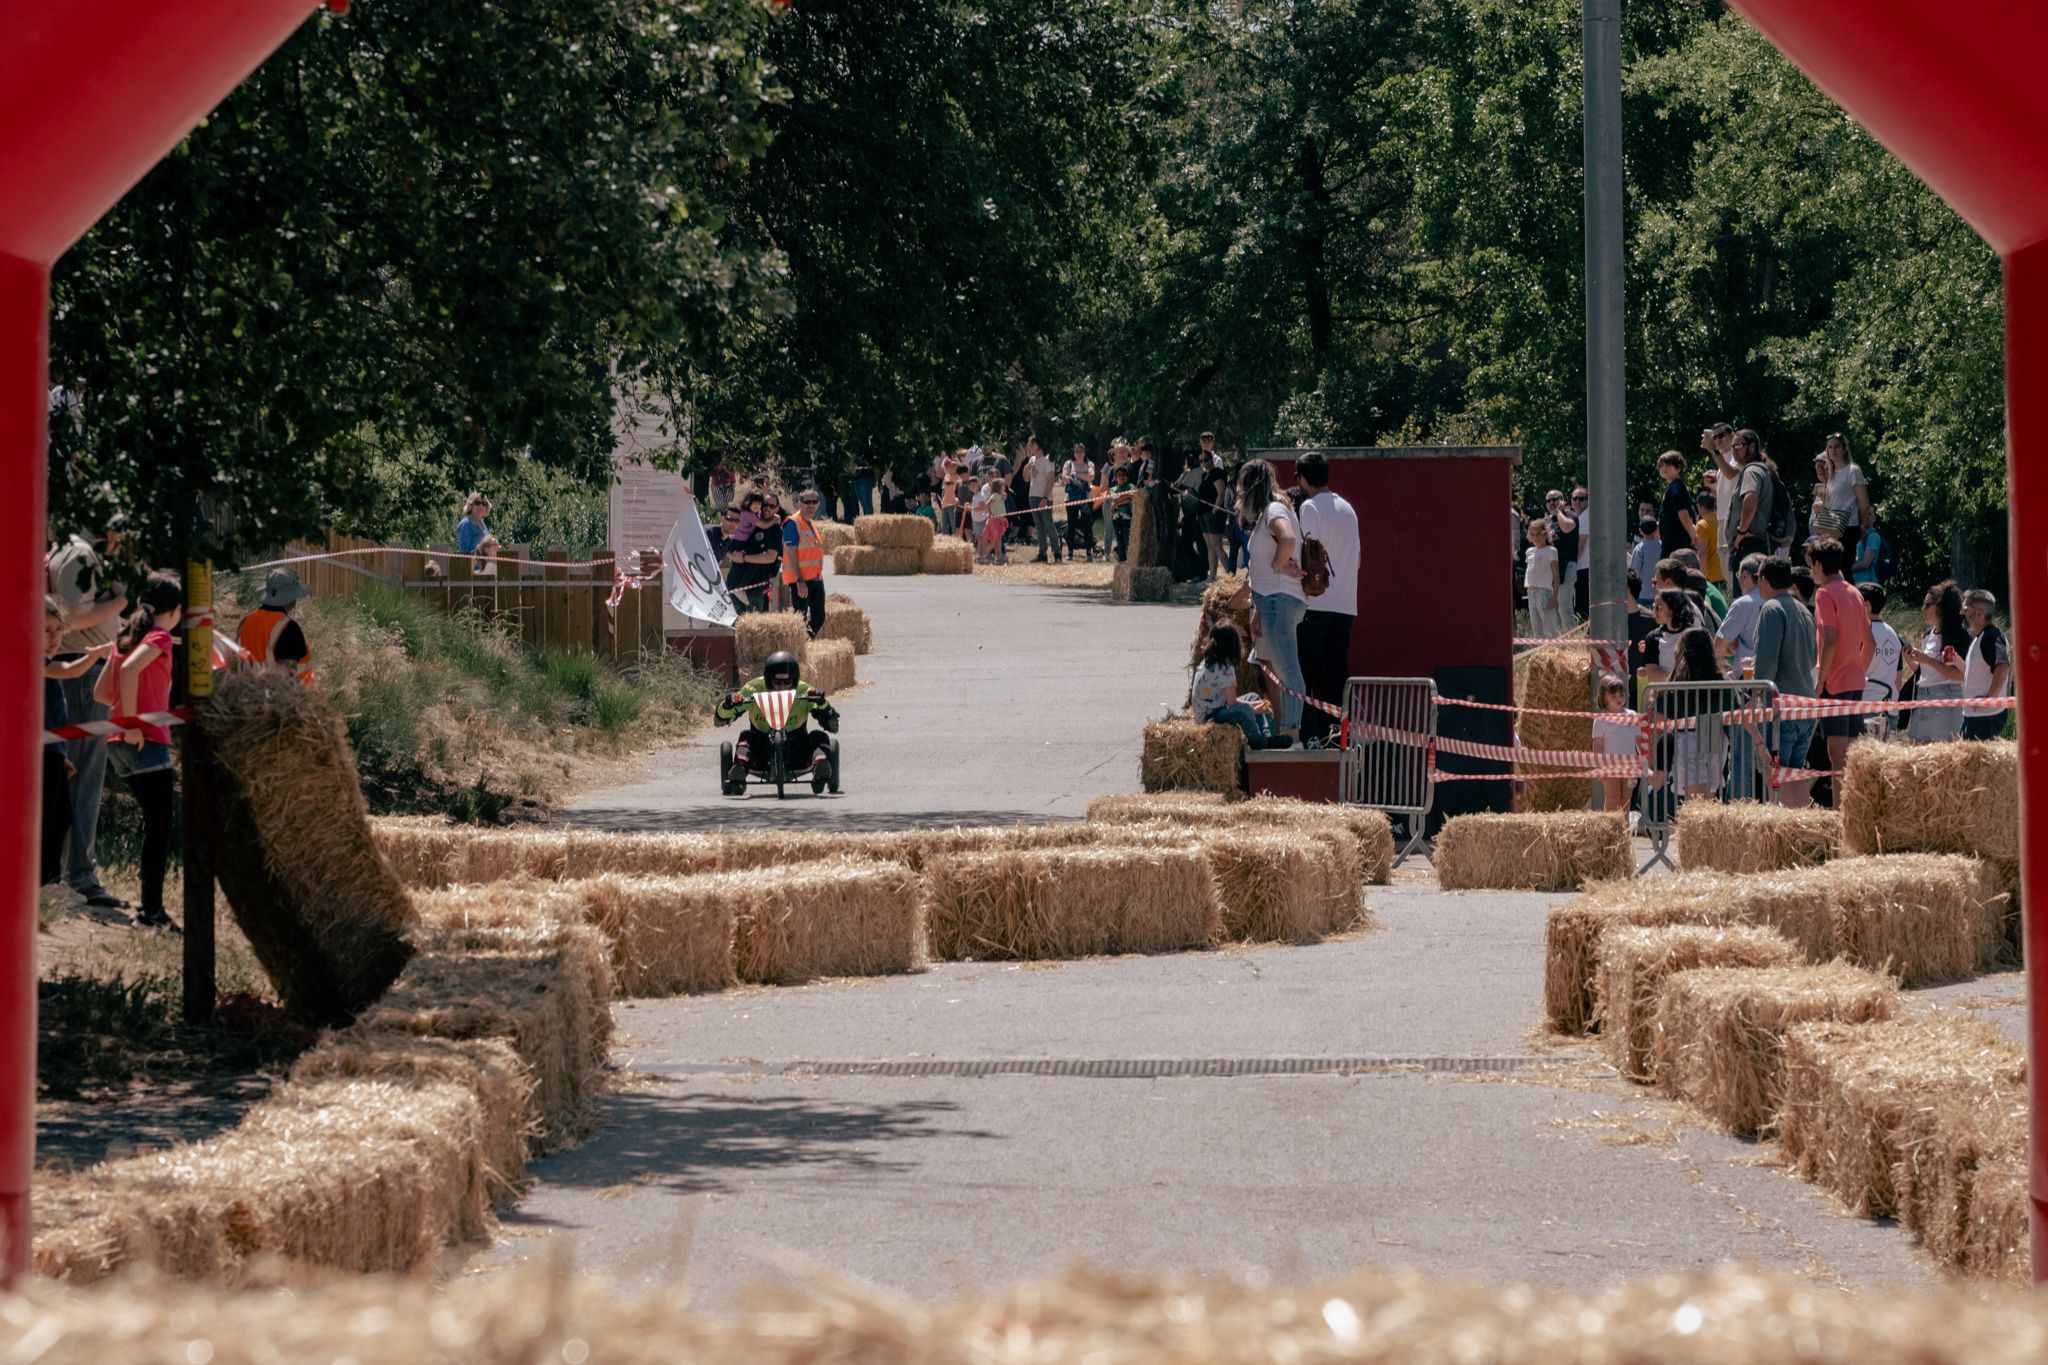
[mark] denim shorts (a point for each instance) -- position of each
(129, 761)
(1795, 738)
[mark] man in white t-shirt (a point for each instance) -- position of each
(1037, 474)
(1718, 441)
(1735, 638)
(1324, 637)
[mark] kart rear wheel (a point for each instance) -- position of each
(725, 782)
(832, 781)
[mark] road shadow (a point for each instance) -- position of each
(826, 815)
(74, 1134)
(703, 1142)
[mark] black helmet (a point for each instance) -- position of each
(780, 669)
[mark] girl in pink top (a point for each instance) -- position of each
(136, 681)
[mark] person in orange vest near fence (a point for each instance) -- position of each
(269, 635)
(803, 561)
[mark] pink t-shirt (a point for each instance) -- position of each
(1838, 604)
(153, 688)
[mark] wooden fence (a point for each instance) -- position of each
(553, 605)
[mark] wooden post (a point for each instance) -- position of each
(200, 983)
(652, 636)
(461, 583)
(556, 597)
(531, 628)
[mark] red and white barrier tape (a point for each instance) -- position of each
(116, 725)
(1343, 734)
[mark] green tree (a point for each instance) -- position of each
(447, 229)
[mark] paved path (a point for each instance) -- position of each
(982, 702)
(1139, 1112)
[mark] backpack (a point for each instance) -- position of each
(1782, 527)
(1887, 561)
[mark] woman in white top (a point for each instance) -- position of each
(1845, 492)
(1939, 660)
(1278, 603)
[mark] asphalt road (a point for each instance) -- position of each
(1144, 1113)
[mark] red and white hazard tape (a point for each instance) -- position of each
(116, 725)
(1344, 732)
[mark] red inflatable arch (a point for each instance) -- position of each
(93, 92)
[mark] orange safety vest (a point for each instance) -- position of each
(258, 637)
(806, 558)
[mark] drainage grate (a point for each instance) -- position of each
(1117, 1068)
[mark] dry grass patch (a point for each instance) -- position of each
(1848, 1089)
(1634, 963)
(1556, 851)
(1958, 797)
(1749, 836)
(1719, 1032)
(1184, 755)
(1074, 902)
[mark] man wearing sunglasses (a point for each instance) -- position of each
(803, 561)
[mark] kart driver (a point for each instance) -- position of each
(780, 673)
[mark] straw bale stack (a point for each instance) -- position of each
(525, 1314)
(1749, 836)
(873, 561)
(843, 917)
(1946, 1142)
(757, 634)
(1270, 887)
(599, 853)
(1130, 808)
(1218, 609)
(1144, 545)
(665, 938)
(1634, 964)
(1076, 902)
(946, 557)
(1135, 582)
(895, 531)
(2007, 870)
(513, 961)
(1557, 678)
(323, 910)
(1924, 918)
(1369, 830)
(833, 534)
(1995, 1242)
(424, 853)
(1848, 1088)
(1958, 797)
(830, 666)
(502, 855)
(1186, 755)
(1719, 1032)
(844, 620)
(1554, 851)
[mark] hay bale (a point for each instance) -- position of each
(1718, 1033)
(1184, 755)
(833, 534)
(599, 853)
(846, 916)
(758, 634)
(1270, 887)
(1924, 918)
(323, 910)
(1848, 1088)
(830, 667)
(1369, 830)
(1554, 851)
(1555, 677)
(510, 855)
(514, 961)
(1958, 797)
(667, 938)
(424, 854)
(1134, 582)
(946, 557)
(1132, 808)
(1635, 962)
(856, 561)
(1946, 1142)
(1749, 836)
(844, 620)
(1074, 902)
(1995, 1244)
(2007, 870)
(896, 531)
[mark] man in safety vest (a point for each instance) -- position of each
(269, 635)
(803, 560)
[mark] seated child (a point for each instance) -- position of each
(1215, 691)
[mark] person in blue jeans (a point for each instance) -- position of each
(1215, 690)
(1278, 602)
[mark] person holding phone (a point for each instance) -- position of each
(1939, 661)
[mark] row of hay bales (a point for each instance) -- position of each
(827, 661)
(694, 912)
(895, 545)
(392, 1138)
(1918, 1115)
(535, 1313)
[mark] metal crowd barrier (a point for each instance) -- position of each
(1720, 749)
(1386, 766)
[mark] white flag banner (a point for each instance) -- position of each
(689, 572)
